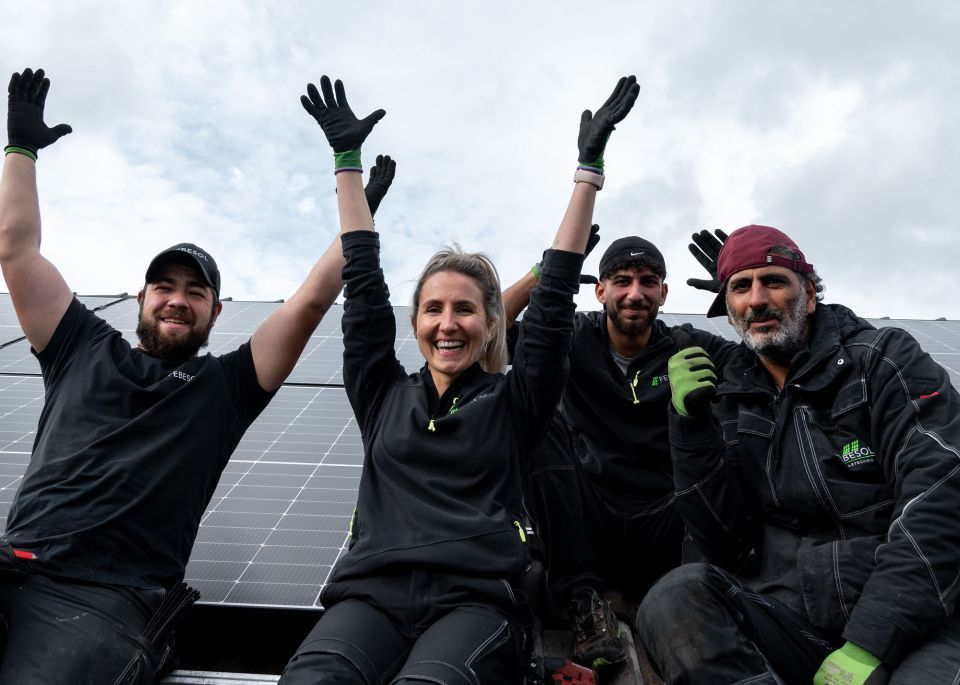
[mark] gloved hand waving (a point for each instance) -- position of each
(344, 131)
(26, 130)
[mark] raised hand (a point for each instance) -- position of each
(26, 131)
(706, 249)
(381, 176)
(592, 241)
(344, 131)
(595, 129)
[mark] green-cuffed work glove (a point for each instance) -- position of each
(595, 129)
(693, 378)
(850, 665)
(706, 248)
(344, 131)
(26, 96)
(381, 176)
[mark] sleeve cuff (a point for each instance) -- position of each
(562, 265)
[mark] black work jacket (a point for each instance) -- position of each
(843, 486)
(617, 421)
(441, 486)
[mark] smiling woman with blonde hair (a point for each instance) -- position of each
(429, 589)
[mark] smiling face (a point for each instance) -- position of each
(631, 298)
(769, 307)
(177, 311)
(451, 325)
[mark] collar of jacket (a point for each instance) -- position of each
(471, 372)
(659, 337)
(814, 368)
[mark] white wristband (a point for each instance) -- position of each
(593, 178)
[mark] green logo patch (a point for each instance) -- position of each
(853, 454)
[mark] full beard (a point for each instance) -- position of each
(175, 349)
(633, 327)
(781, 345)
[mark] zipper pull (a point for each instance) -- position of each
(519, 526)
(431, 427)
(636, 379)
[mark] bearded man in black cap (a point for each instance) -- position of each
(131, 441)
(601, 486)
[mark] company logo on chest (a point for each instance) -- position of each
(853, 454)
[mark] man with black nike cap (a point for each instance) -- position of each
(601, 486)
(131, 441)
(821, 487)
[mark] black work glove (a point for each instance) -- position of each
(595, 129)
(340, 125)
(381, 176)
(27, 94)
(591, 243)
(706, 248)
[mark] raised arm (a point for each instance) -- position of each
(278, 342)
(517, 296)
(39, 293)
(540, 361)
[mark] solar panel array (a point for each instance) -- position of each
(279, 517)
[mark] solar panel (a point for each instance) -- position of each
(321, 362)
(278, 519)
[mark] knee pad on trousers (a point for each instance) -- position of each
(328, 659)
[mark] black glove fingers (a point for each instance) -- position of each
(616, 94)
(311, 109)
(390, 169)
(35, 85)
(371, 119)
(13, 89)
(41, 98)
(623, 105)
(341, 95)
(326, 88)
(704, 260)
(708, 243)
(721, 235)
(318, 104)
(26, 79)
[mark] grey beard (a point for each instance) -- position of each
(782, 345)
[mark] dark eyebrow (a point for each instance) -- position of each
(774, 278)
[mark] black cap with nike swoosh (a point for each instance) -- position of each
(632, 251)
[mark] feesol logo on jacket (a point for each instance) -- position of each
(853, 454)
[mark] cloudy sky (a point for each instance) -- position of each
(836, 122)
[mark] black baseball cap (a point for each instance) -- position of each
(632, 249)
(190, 254)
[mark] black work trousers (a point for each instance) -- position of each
(58, 631)
(700, 625)
(589, 540)
(414, 627)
